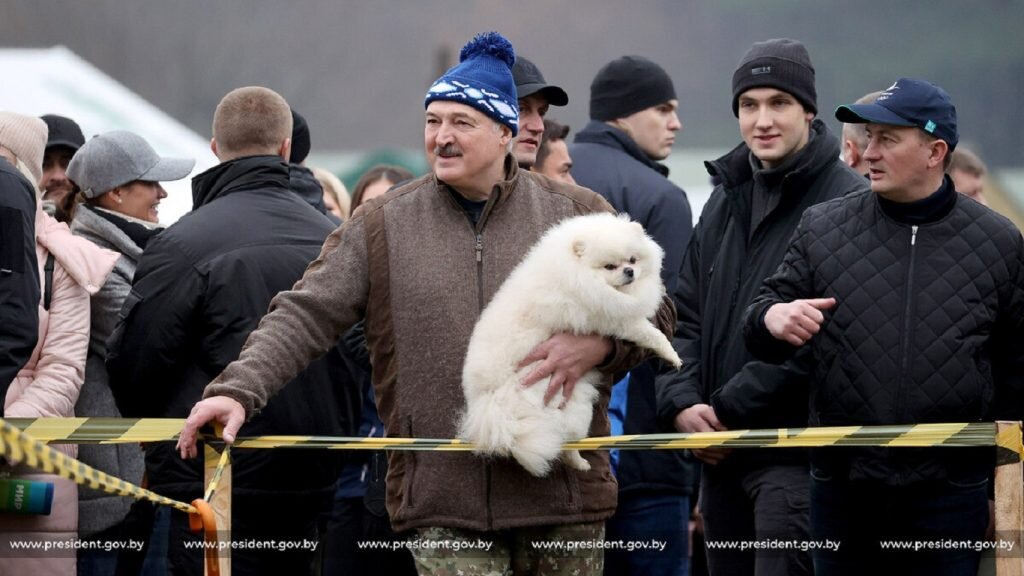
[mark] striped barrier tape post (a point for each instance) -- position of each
(120, 430)
(17, 446)
(221, 463)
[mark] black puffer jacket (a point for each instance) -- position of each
(926, 328)
(722, 272)
(201, 287)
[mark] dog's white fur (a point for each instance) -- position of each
(562, 285)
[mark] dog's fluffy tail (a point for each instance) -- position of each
(489, 424)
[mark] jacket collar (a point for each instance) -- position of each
(91, 223)
(596, 132)
(246, 173)
(500, 193)
(302, 181)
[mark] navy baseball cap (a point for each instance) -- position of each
(908, 102)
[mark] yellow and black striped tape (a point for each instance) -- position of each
(17, 446)
(121, 430)
(100, 430)
(21, 441)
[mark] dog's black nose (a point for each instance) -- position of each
(628, 272)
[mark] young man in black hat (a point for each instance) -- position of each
(788, 160)
(633, 123)
(64, 139)
(908, 304)
(535, 96)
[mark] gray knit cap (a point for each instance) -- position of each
(780, 63)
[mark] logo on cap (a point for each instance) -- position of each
(761, 70)
(929, 127)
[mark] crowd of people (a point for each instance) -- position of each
(831, 280)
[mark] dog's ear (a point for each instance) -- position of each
(579, 247)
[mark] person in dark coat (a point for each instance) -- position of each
(301, 179)
(633, 123)
(907, 304)
(200, 288)
(19, 271)
(788, 160)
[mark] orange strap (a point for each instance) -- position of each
(206, 522)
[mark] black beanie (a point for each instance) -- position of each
(628, 85)
(300, 139)
(781, 63)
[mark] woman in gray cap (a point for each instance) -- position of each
(118, 175)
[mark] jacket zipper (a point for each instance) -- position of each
(480, 300)
(478, 248)
(479, 271)
(901, 391)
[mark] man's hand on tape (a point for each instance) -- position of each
(221, 409)
(702, 418)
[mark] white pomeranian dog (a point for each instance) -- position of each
(594, 274)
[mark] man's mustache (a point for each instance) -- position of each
(447, 150)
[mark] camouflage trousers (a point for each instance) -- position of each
(566, 549)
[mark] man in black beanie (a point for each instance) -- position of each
(787, 161)
(301, 179)
(633, 124)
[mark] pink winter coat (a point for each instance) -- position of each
(48, 384)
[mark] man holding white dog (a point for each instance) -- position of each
(788, 160)
(419, 264)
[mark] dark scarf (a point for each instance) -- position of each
(138, 233)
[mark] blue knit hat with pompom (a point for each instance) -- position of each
(482, 79)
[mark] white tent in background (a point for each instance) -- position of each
(57, 81)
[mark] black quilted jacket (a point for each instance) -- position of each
(927, 328)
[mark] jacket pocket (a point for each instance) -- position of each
(820, 475)
(410, 465)
(570, 483)
(968, 484)
(12, 241)
(986, 382)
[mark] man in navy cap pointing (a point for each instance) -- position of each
(910, 298)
